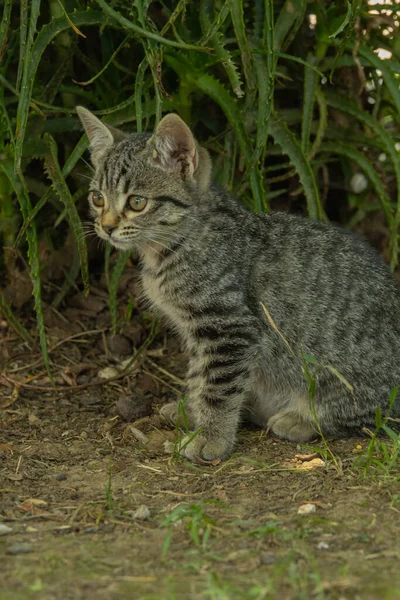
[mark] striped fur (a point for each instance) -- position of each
(208, 264)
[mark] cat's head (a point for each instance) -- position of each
(144, 185)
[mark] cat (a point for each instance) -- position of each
(250, 294)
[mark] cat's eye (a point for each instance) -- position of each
(98, 199)
(137, 203)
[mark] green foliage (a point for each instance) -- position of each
(381, 456)
(196, 521)
(291, 99)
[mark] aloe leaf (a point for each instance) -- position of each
(310, 88)
(4, 25)
(217, 23)
(143, 32)
(108, 63)
(288, 22)
(55, 174)
(345, 22)
(21, 192)
(139, 81)
(223, 55)
(31, 63)
(322, 123)
(301, 62)
(113, 287)
(8, 314)
(290, 146)
(241, 38)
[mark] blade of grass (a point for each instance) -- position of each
(143, 32)
(32, 58)
(55, 174)
(8, 314)
(19, 187)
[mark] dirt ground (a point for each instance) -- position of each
(95, 503)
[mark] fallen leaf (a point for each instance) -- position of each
(9, 400)
(304, 457)
(17, 477)
(315, 463)
(31, 505)
(6, 448)
(306, 509)
(36, 501)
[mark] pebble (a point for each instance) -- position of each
(358, 183)
(323, 546)
(130, 409)
(108, 373)
(169, 447)
(91, 529)
(306, 509)
(61, 477)
(4, 529)
(142, 513)
(20, 548)
(118, 345)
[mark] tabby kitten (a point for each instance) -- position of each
(209, 266)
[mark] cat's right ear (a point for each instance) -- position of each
(101, 138)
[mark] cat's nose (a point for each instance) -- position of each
(108, 229)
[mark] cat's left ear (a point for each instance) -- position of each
(101, 136)
(176, 150)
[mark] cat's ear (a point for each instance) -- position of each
(176, 150)
(101, 136)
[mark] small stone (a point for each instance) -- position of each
(138, 435)
(130, 409)
(89, 400)
(315, 463)
(118, 345)
(306, 509)
(169, 447)
(61, 477)
(323, 546)
(142, 513)
(30, 529)
(4, 529)
(20, 548)
(91, 529)
(108, 373)
(358, 183)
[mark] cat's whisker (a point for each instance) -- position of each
(88, 164)
(84, 176)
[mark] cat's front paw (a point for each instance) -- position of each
(196, 446)
(175, 414)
